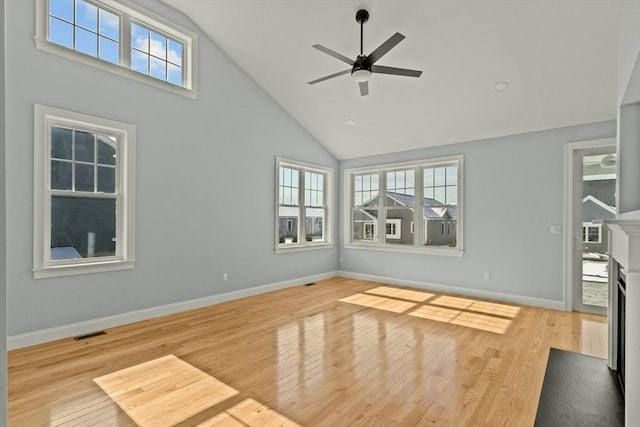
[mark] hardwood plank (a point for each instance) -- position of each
(341, 352)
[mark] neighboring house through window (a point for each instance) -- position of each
(83, 219)
(123, 39)
(417, 203)
(303, 200)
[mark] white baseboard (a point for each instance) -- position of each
(86, 327)
(477, 293)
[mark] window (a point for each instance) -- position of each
(417, 203)
(110, 35)
(83, 186)
(302, 205)
(591, 233)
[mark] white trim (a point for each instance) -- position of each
(44, 119)
(570, 242)
(599, 177)
(397, 228)
(74, 329)
(426, 250)
(128, 10)
(476, 293)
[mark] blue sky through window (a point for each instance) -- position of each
(82, 26)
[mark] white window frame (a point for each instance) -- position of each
(586, 226)
(128, 12)
(43, 266)
(417, 248)
(396, 228)
(327, 224)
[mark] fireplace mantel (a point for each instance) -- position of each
(624, 248)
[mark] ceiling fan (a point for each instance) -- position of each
(364, 65)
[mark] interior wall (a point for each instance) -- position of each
(513, 193)
(205, 183)
(3, 252)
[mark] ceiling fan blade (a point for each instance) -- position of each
(333, 53)
(364, 88)
(384, 48)
(396, 71)
(339, 73)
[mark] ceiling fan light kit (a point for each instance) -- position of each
(364, 65)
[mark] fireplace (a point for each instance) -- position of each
(624, 307)
(622, 298)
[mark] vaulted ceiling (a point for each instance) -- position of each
(557, 57)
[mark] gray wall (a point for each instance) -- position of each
(514, 192)
(3, 277)
(205, 185)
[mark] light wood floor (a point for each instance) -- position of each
(340, 352)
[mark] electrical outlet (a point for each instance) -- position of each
(487, 275)
(225, 276)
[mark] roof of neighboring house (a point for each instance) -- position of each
(593, 208)
(433, 209)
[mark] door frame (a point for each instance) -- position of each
(573, 152)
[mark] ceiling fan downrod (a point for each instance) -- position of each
(362, 16)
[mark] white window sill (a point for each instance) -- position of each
(451, 252)
(301, 248)
(85, 268)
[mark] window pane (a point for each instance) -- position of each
(174, 74)
(428, 177)
(106, 150)
(109, 51)
(452, 175)
(439, 176)
(314, 225)
(175, 52)
(87, 15)
(109, 25)
(86, 42)
(364, 225)
(82, 227)
(440, 226)
(288, 225)
(61, 175)
(106, 179)
(139, 61)
(61, 143)
(158, 45)
(398, 226)
(84, 177)
(85, 147)
(140, 38)
(357, 183)
(62, 9)
(60, 33)
(439, 194)
(452, 195)
(157, 68)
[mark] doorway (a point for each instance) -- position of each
(590, 196)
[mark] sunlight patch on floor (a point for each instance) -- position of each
(168, 391)
(484, 315)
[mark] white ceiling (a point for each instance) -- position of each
(558, 56)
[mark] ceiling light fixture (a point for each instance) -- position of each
(500, 86)
(350, 122)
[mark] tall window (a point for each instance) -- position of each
(302, 205)
(107, 31)
(417, 204)
(84, 194)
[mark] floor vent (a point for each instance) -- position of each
(87, 336)
(310, 284)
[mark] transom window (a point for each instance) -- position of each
(106, 31)
(302, 205)
(420, 209)
(84, 194)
